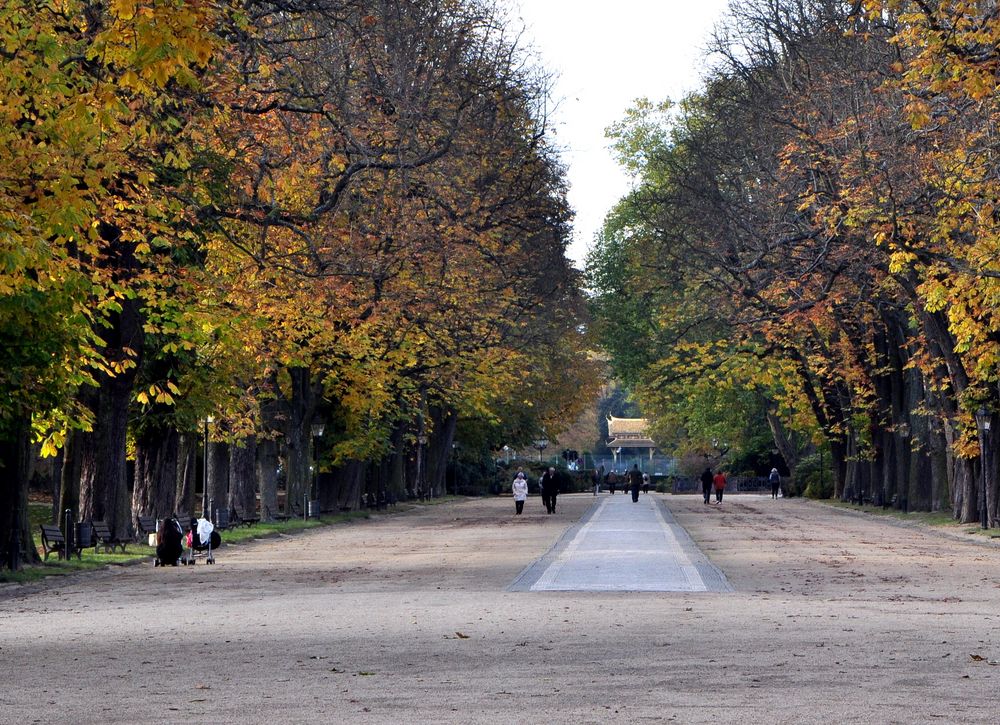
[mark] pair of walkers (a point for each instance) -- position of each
(710, 482)
(550, 491)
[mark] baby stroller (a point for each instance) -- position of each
(168, 542)
(200, 540)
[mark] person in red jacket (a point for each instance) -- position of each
(720, 485)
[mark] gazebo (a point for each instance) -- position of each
(629, 433)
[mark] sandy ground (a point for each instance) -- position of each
(835, 617)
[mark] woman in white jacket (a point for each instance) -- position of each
(520, 489)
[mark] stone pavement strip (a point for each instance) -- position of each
(621, 546)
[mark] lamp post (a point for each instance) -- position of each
(454, 469)
(317, 432)
(421, 442)
(506, 454)
(904, 498)
(204, 483)
(541, 444)
(983, 426)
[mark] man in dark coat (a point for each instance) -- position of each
(706, 484)
(635, 481)
(550, 489)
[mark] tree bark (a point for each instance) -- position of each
(155, 488)
(187, 473)
(267, 475)
(69, 481)
(16, 545)
(104, 493)
(217, 486)
(439, 448)
(243, 476)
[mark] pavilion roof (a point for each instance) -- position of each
(629, 433)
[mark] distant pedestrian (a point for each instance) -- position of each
(720, 486)
(520, 490)
(598, 477)
(612, 481)
(635, 481)
(645, 483)
(550, 490)
(775, 481)
(706, 484)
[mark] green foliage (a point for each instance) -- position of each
(813, 478)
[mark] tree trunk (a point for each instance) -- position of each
(267, 474)
(439, 448)
(243, 476)
(187, 473)
(104, 493)
(217, 486)
(155, 488)
(69, 481)
(787, 449)
(301, 407)
(16, 545)
(342, 487)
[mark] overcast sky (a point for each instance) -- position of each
(606, 55)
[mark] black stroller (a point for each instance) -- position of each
(169, 546)
(200, 540)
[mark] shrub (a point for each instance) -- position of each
(811, 480)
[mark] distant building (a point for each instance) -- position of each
(629, 433)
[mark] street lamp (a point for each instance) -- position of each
(506, 454)
(421, 442)
(983, 425)
(204, 483)
(541, 444)
(317, 432)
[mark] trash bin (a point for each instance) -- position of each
(84, 535)
(313, 511)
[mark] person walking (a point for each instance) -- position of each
(612, 481)
(775, 481)
(635, 481)
(720, 486)
(706, 484)
(598, 476)
(645, 483)
(520, 490)
(550, 490)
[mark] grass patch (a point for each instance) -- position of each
(939, 519)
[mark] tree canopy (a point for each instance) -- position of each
(811, 242)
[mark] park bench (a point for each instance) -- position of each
(240, 518)
(147, 526)
(103, 537)
(53, 540)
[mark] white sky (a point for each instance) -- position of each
(605, 55)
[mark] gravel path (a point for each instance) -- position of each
(408, 619)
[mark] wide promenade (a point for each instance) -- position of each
(784, 611)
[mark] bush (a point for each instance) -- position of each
(811, 480)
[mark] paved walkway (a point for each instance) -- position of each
(621, 546)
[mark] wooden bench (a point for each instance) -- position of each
(53, 540)
(147, 526)
(239, 518)
(103, 537)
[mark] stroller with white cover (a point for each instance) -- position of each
(200, 540)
